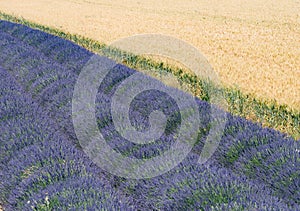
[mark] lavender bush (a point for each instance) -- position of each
(35, 156)
(41, 160)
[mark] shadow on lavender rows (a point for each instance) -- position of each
(250, 161)
(35, 156)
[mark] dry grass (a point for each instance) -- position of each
(254, 45)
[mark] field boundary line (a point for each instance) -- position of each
(268, 113)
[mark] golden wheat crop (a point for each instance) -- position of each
(254, 45)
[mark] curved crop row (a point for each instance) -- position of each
(47, 68)
(36, 155)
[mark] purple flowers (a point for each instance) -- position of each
(35, 156)
(42, 165)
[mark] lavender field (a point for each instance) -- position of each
(43, 167)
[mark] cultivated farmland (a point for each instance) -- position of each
(42, 166)
(254, 45)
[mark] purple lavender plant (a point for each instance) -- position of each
(39, 151)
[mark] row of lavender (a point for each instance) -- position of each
(42, 170)
(40, 167)
(47, 68)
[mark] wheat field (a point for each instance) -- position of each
(254, 45)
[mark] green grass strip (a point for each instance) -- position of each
(268, 112)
